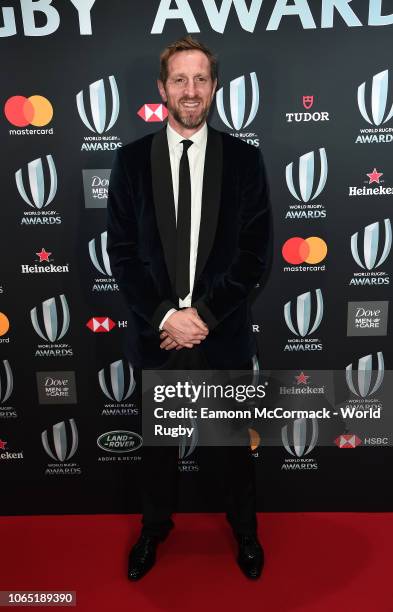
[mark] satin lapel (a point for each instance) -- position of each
(211, 197)
(164, 203)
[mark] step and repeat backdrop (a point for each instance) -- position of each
(311, 84)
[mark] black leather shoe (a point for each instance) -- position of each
(142, 557)
(251, 556)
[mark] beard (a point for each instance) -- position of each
(188, 119)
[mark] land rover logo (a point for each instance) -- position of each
(119, 441)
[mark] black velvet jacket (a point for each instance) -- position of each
(233, 248)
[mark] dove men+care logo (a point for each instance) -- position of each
(303, 317)
(51, 321)
(367, 318)
(99, 110)
(237, 106)
(117, 384)
(37, 186)
(100, 260)
(375, 103)
(306, 179)
(370, 249)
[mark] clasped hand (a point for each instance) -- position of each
(183, 328)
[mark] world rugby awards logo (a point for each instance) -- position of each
(303, 325)
(98, 122)
(59, 446)
(377, 101)
(299, 440)
(373, 254)
(45, 321)
(117, 390)
(237, 106)
(7, 388)
(307, 188)
(99, 258)
(42, 188)
(364, 386)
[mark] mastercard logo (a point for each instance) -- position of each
(21, 111)
(4, 324)
(304, 250)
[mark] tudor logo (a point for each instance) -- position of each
(307, 188)
(41, 191)
(364, 387)
(303, 326)
(370, 246)
(308, 101)
(46, 320)
(100, 324)
(98, 106)
(153, 112)
(378, 98)
(237, 102)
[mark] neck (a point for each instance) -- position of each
(183, 131)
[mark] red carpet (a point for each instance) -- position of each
(314, 562)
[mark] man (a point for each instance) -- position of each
(188, 239)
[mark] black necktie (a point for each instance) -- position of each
(183, 228)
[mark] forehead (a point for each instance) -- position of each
(188, 62)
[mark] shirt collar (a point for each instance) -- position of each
(174, 138)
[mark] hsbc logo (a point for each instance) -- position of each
(100, 325)
(347, 441)
(153, 112)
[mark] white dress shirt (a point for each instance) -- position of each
(196, 157)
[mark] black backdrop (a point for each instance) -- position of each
(70, 472)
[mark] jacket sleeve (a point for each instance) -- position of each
(134, 278)
(253, 254)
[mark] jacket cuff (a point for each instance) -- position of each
(206, 314)
(159, 313)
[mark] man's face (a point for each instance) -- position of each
(189, 89)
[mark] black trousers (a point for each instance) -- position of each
(234, 467)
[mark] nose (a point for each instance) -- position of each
(190, 89)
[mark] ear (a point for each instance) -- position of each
(161, 89)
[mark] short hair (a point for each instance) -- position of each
(187, 43)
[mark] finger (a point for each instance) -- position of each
(199, 323)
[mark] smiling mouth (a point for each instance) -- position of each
(190, 105)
